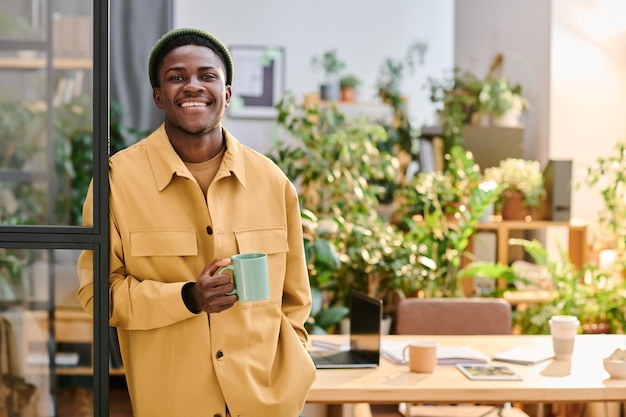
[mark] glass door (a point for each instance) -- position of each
(54, 121)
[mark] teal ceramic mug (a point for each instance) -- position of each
(250, 276)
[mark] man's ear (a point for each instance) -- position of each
(228, 94)
(156, 95)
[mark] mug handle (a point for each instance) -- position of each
(404, 354)
(221, 271)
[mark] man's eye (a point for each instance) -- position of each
(208, 77)
(176, 78)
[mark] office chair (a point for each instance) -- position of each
(455, 316)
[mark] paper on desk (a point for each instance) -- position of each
(524, 355)
(321, 344)
(446, 355)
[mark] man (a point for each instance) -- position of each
(182, 202)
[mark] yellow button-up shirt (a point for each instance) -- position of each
(162, 234)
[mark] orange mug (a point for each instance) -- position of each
(421, 356)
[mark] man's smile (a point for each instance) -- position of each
(194, 104)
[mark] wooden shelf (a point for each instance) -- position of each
(41, 63)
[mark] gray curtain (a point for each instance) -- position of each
(135, 27)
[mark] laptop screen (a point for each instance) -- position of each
(365, 317)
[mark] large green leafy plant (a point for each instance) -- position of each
(441, 216)
(337, 165)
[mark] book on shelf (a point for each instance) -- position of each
(523, 355)
(60, 358)
(446, 355)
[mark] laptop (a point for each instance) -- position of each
(364, 352)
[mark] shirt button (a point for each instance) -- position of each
(219, 354)
(209, 230)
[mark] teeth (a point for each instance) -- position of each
(193, 104)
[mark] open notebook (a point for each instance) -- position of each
(446, 355)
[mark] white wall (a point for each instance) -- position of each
(570, 55)
(520, 30)
(364, 32)
(588, 87)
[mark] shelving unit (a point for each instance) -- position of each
(41, 63)
(70, 326)
(577, 236)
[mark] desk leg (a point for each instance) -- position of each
(349, 410)
(577, 242)
(502, 254)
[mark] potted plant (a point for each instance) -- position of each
(523, 186)
(501, 101)
(332, 66)
(348, 84)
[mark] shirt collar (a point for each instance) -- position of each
(166, 163)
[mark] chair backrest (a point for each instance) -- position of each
(453, 316)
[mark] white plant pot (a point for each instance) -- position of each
(511, 117)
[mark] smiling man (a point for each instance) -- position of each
(182, 202)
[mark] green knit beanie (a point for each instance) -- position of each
(174, 34)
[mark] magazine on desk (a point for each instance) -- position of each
(482, 372)
(446, 355)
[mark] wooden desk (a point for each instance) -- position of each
(582, 379)
(577, 239)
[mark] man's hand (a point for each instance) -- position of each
(209, 291)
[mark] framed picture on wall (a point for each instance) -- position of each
(258, 81)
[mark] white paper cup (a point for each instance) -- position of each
(563, 329)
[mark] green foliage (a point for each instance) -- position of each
(522, 175)
(498, 96)
(337, 166)
(457, 95)
(349, 81)
(13, 261)
(443, 222)
(15, 27)
(592, 294)
(74, 152)
(608, 174)
(21, 127)
(329, 62)
(335, 161)
(323, 263)
(392, 74)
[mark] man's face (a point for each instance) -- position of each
(193, 94)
